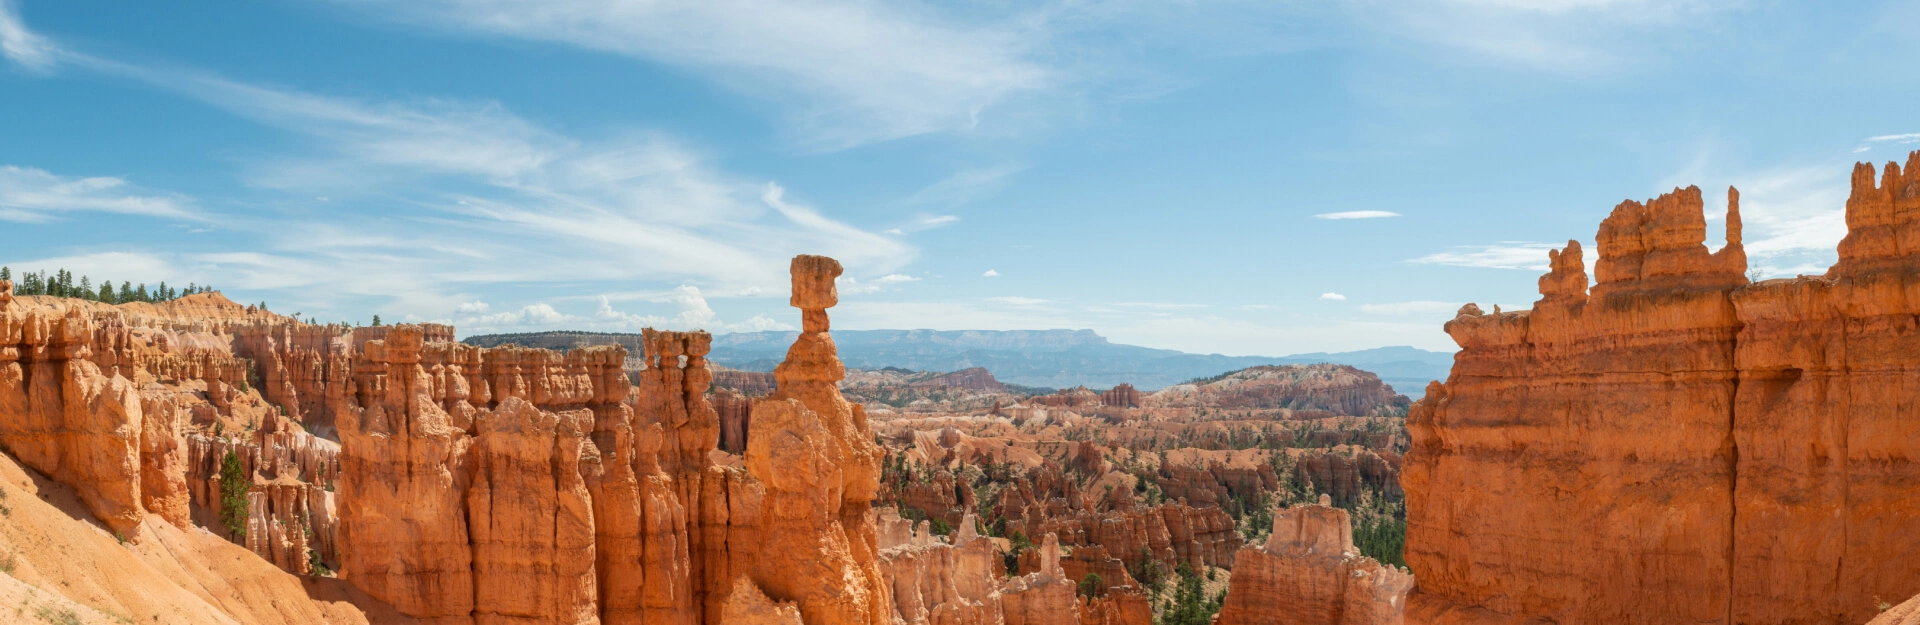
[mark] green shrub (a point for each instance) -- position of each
(1092, 586)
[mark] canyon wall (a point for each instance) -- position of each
(1675, 444)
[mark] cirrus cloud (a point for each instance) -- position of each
(1357, 215)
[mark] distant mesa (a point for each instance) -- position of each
(1049, 359)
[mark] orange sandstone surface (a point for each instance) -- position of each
(1676, 445)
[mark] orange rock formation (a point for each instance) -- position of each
(1677, 445)
(1309, 573)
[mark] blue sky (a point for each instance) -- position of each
(1161, 172)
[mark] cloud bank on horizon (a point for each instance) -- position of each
(1236, 177)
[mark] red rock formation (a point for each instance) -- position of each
(1122, 396)
(1309, 573)
(815, 455)
(1823, 423)
(1076, 397)
(404, 471)
(749, 383)
(1172, 533)
(1124, 605)
(974, 379)
(1339, 389)
(1676, 445)
(736, 417)
(936, 582)
(1044, 597)
(1907, 613)
(1638, 531)
(530, 517)
(62, 416)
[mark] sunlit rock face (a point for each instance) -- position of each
(1309, 573)
(1677, 445)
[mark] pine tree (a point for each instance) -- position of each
(140, 293)
(376, 321)
(6, 273)
(86, 288)
(234, 484)
(160, 294)
(106, 292)
(126, 293)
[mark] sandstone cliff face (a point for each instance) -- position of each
(65, 418)
(1677, 445)
(1309, 573)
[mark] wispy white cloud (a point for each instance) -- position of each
(965, 185)
(539, 314)
(1357, 215)
(1417, 307)
(1158, 305)
(1333, 296)
(20, 45)
(1911, 137)
(694, 314)
(867, 71)
(1572, 37)
(463, 193)
(990, 274)
(1794, 217)
(1504, 255)
(1018, 301)
(35, 195)
(853, 286)
(923, 223)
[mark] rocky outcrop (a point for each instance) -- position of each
(1045, 596)
(1171, 533)
(1122, 396)
(749, 383)
(1125, 605)
(1309, 573)
(736, 417)
(63, 416)
(1676, 445)
(1337, 389)
(815, 455)
(530, 517)
(972, 379)
(748, 606)
(936, 582)
(404, 472)
(1076, 397)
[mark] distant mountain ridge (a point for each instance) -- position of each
(1042, 358)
